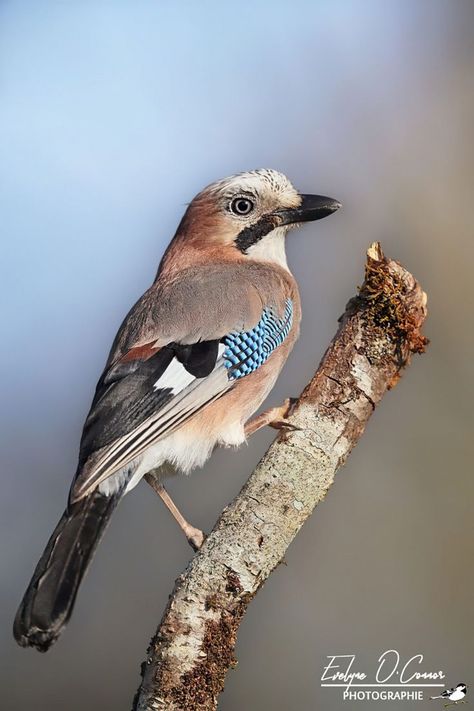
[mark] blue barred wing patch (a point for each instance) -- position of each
(248, 350)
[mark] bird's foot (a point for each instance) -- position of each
(280, 415)
(194, 536)
(276, 417)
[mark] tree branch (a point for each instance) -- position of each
(194, 646)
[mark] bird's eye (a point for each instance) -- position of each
(241, 206)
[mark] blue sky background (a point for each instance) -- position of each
(112, 116)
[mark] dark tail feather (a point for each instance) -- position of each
(48, 602)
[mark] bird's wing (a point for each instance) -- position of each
(149, 389)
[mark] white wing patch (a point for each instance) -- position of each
(194, 394)
(175, 377)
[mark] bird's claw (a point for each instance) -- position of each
(280, 422)
(283, 425)
(195, 537)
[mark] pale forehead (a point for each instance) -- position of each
(259, 182)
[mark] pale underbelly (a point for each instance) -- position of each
(179, 452)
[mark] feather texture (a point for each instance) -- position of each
(163, 404)
(192, 361)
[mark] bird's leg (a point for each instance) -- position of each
(275, 417)
(195, 536)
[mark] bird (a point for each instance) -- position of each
(456, 694)
(193, 360)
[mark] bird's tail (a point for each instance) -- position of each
(48, 602)
(436, 697)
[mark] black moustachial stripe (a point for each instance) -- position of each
(254, 233)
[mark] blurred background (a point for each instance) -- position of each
(112, 116)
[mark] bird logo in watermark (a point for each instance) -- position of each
(455, 695)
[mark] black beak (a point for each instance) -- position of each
(313, 207)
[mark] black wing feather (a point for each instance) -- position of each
(198, 359)
(126, 394)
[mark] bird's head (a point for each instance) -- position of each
(461, 687)
(248, 215)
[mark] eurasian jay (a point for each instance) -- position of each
(193, 360)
